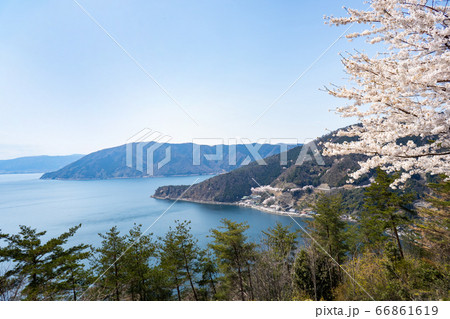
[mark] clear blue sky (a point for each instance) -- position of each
(65, 87)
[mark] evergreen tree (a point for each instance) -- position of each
(273, 264)
(328, 228)
(209, 272)
(109, 266)
(159, 284)
(179, 254)
(281, 241)
(234, 257)
(385, 211)
(317, 270)
(136, 263)
(39, 264)
(72, 276)
(311, 275)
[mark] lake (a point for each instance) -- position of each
(55, 206)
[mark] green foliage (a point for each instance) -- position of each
(313, 278)
(109, 266)
(352, 200)
(316, 269)
(234, 256)
(328, 228)
(72, 277)
(273, 264)
(43, 270)
(375, 251)
(281, 241)
(179, 255)
(209, 271)
(386, 213)
(138, 273)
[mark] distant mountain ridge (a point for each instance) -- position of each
(36, 164)
(112, 162)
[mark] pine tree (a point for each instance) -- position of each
(72, 276)
(234, 256)
(329, 231)
(179, 253)
(136, 263)
(273, 263)
(281, 241)
(39, 264)
(209, 272)
(385, 211)
(109, 266)
(328, 228)
(311, 274)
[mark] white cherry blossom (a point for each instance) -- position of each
(401, 92)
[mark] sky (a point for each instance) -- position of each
(66, 87)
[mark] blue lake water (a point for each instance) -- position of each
(55, 206)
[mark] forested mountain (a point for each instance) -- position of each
(36, 164)
(232, 186)
(111, 162)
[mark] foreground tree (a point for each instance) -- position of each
(389, 277)
(234, 256)
(209, 272)
(109, 266)
(273, 264)
(179, 255)
(138, 273)
(72, 278)
(328, 228)
(282, 242)
(403, 92)
(316, 269)
(311, 275)
(385, 213)
(42, 270)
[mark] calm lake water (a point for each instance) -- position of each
(55, 206)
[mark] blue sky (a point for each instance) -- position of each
(65, 86)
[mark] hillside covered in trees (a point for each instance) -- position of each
(293, 179)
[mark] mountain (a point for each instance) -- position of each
(36, 164)
(232, 186)
(291, 187)
(182, 159)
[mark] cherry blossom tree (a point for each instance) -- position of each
(402, 94)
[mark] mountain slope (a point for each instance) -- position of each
(232, 186)
(36, 164)
(111, 163)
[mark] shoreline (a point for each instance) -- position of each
(194, 201)
(266, 210)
